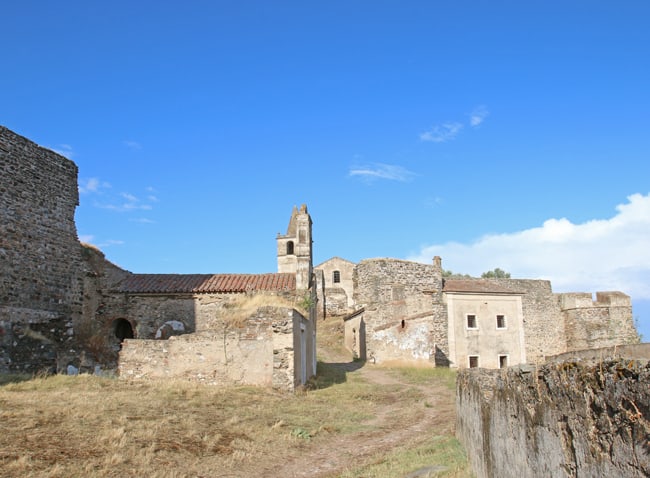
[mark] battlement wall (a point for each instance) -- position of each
(604, 322)
(578, 300)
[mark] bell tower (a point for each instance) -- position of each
(295, 248)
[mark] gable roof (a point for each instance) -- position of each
(476, 286)
(205, 283)
(333, 259)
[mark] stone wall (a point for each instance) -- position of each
(41, 279)
(403, 314)
(588, 418)
(337, 296)
(604, 322)
(264, 349)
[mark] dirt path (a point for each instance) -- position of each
(392, 426)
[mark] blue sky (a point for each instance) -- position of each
(495, 134)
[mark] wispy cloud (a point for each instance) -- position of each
(142, 220)
(92, 185)
(601, 254)
(448, 130)
(477, 116)
(442, 132)
(111, 242)
(134, 145)
(376, 171)
(64, 150)
(86, 238)
(129, 202)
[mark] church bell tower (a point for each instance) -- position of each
(295, 248)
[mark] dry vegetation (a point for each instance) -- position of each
(354, 422)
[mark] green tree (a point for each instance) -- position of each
(496, 274)
(453, 275)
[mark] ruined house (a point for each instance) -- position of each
(63, 304)
(407, 312)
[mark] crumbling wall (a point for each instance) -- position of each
(405, 319)
(587, 418)
(263, 349)
(41, 278)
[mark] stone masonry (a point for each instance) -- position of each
(585, 414)
(41, 278)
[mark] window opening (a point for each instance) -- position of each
(471, 321)
(503, 361)
(336, 277)
(473, 361)
(501, 321)
(290, 248)
(403, 323)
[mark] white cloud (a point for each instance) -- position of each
(442, 132)
(381, 171)
(111, 242)
(64, 150)
(142, 220)
(129, 197)
(92, 185)
(133, 145)
(477, 116)
(598, 255)
(86, 238)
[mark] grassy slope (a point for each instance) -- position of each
(89, 426)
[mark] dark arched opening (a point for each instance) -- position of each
(123, 329)
(290, 248)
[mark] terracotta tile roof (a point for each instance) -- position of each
(205, 283)
(476, 286)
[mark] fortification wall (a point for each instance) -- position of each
(605, 322)
(404, 315)
(558, 419)
(263, 349)
(41, 279)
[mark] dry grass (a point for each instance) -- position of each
(85, 425)
(64, 426)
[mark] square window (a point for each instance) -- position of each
(501, 321)
(471, 322)
(503, 361)
(473, 361)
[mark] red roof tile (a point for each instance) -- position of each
(205, 283)
(476, 286)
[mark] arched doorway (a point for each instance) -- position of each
(123, 329)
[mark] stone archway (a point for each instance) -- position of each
(123, 329)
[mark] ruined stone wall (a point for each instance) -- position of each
(558, 419)
(263, 349)
(404, 315)
(607, 321)
(41, 278)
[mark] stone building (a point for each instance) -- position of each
(407, 312)
(63, 304)
(335, 286)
